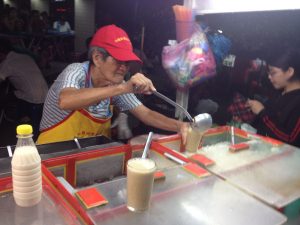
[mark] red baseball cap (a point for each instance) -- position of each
(116, 42)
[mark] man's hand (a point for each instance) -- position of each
(140, 84)
(255, 106)
(183, 130)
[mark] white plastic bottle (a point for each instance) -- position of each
(26, 169)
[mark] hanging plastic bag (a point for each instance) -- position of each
(190, 62)
(220, 46)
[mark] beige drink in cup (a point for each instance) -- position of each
(193, 140)
(140, 177)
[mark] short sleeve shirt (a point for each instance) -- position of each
(74, 76)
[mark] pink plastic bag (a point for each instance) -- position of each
(189, 62)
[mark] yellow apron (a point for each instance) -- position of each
(78, 124)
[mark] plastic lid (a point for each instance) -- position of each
(24, 129)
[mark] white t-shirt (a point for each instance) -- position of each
(25, 76)
(62, 28)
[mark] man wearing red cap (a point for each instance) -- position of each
(78, 103)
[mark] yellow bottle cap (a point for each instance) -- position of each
(24, 129)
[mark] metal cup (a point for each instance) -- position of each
(202, 122)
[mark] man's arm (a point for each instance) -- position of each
(72, 98)
(160, 121)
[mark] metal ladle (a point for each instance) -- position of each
(202, 121)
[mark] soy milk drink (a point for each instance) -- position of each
(140, 177)
(26, 169)
(193, 140)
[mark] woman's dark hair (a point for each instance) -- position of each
(287, 58)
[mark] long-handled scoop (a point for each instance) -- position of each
(147, 145)
(202, 121)
(174, 104)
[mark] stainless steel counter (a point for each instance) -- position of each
(268, 172)
(47, 212)
(184, 199)
(275, 180)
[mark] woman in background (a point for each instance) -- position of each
(279, 118)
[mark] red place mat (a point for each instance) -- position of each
(238, 147)
(91, 197)
(159, 175)
(196, 170)
(202, 159)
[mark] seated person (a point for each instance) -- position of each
(78, 103)
(62, 25)
(279, 118)
(27, 79)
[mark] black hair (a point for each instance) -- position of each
(284, 60)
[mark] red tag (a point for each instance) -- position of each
(159, 175)
(202, 159)
(91, 197)
(196, 170)
(238, 147)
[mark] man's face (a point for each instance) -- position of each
(113, 70)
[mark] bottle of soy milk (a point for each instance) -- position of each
(26, 169)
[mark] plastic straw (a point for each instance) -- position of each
(175, 159)
(147, 145)
(232, 135)
(9, 151)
